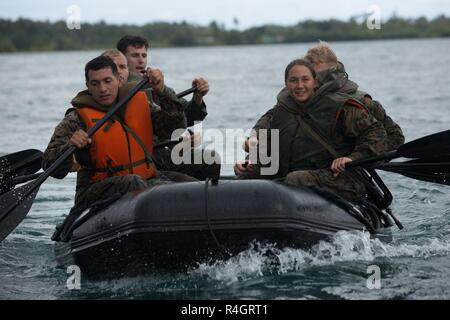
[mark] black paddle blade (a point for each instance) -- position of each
(435, 177)
(430, 160)
(13, 208)
(435, 170)
(21, 163)
(433, 145)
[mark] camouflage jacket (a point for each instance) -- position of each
(344, 123)
(395, 137)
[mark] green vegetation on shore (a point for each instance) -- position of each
(28, 35)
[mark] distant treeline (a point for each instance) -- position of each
(28, 35)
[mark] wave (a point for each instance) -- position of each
(346, 246)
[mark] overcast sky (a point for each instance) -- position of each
(247, 12)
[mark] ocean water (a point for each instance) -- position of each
(410, 77)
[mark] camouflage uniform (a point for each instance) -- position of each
(340, 120)
(395, 137)
(168, 114)
(86, 192)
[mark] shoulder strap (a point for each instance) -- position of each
(147, 152)
(316, 135)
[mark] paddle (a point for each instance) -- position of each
(433, 163)
(13, 181)
(186, 92)
(15, 204)
(437, 144)
(435, 170)
(20, 163)
(18, 167)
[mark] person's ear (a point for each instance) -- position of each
(121, 80)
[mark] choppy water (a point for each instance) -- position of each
(410, 77)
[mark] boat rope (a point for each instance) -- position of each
(219, 245)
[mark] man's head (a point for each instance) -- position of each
(322, 57)
(121, 64)
(102, 80)
(135, 50)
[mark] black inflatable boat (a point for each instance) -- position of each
(178, 225)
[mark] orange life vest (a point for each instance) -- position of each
(121, 146)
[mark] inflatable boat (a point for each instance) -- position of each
(177, 226)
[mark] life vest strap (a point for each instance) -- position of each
(138, 140)
(110, 169)
(108, 125)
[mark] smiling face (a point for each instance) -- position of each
(136, 58)
(103, 86)
(300, 83)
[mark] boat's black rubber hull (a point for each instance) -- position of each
(177, 226)
(142, 253)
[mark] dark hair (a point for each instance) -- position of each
(99, 63)
(128, 40)
(298, 62)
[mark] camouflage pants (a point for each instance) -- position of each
(344, 184)
(86, 196)
(163, 161)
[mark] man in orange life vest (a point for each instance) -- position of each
(117, 158)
